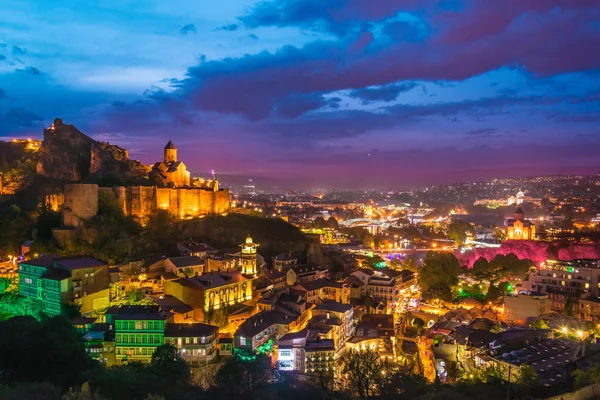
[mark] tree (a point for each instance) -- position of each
(169, 366)
(539, 324)
(238, 378)
(458, 230)
(50, 350)
(499, 234)
(363, 371)
(438, 274)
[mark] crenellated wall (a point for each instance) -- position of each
(81, 201)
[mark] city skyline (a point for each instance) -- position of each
(344, 94)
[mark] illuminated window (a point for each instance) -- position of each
(187, 340)
(242, 341)
(195, 340)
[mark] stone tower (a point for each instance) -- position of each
(170, 152)
(248, 257)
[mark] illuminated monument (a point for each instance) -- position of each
(520, 228)
(170, 172)
(248, 257)
(181, 197)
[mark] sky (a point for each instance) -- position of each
(321, 93)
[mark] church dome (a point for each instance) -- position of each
(248, 240)
(520, 195)
(170, 146)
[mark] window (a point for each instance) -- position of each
(242, 341)
(187, 340)
(179, 341)
(203, 339)
(28, 280)
(195, 340)
(195, 352)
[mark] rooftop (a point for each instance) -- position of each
(78, 262)
(217, 279)
(186, 261)
(261, 321)
(318, 284)
(170, 303)
(190, 330)
(334, 306)
(138, 313)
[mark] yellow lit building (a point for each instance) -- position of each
(520, 228)
(248, 257)
(171, 171)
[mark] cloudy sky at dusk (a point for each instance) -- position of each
(378, 93)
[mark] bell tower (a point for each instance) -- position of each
(170, 152)
(248, 257)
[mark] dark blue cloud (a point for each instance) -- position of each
(382, 93)
(228, 28)
(188, 29)
(18, 51)
(253, 36)
(21, 117)
(29, 70)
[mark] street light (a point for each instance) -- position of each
(564, 329)
(580, 334)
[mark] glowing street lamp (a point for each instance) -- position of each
(564, 330)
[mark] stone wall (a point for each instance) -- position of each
(81, 201)
(80, 204)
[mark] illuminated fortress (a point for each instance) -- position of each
(182, 198)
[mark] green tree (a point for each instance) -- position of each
(169, 366)
(319, 223)
(364, 371)
(458, 230)
(539, 324)
(438, 274)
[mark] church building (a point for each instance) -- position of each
(171, 172)
(520, 228)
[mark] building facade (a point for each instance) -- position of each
(139, 330)
(520, 228)
(196, 342)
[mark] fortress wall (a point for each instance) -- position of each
(221, 202)
(163, 199)
(207, 201)
(81, 203)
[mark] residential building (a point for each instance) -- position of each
(339, 317)
(257, 330)
(525, 305)
(323, 289)
(572, 278)
(283, 262)
(58, 281)
(196, 342)
(192, 248)
(589, 309)
(305, 273)
(375, 332)
(139, 330)
(383, 284)
(184, 266)
(306, 352)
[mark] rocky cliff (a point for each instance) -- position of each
(536, 251)
(67, 154)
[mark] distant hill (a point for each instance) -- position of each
(274, 235)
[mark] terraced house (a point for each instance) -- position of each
(139, 330)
